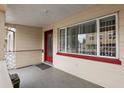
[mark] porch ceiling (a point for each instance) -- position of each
(41, 15)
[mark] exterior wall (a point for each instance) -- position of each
(104, 74)
(2, 7)
(27, 38)
(5, 81)
(2, 34)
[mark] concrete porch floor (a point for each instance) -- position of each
(34, 77)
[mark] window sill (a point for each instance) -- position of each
(98, 59)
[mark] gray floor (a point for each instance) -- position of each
(34, 77)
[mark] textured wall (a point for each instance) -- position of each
(27, 38)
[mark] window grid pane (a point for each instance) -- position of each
(108, 36)
(72, 39)
(88, 44)
(62, 40)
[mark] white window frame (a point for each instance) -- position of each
(98, 35)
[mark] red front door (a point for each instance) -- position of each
(48, 42)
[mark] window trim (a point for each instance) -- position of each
(98, 33)
(93, 58)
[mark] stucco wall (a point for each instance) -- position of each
(104, 74)
(2, 34)
(27, 38)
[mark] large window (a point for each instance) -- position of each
(97, 37)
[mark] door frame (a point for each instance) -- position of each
(45, 42)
